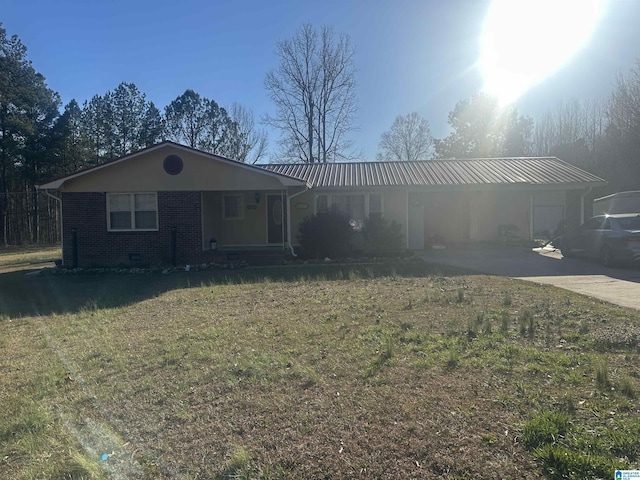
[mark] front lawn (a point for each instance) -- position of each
(314, 372)
(15, 258)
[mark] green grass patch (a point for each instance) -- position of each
(25, 256)
(378, 371)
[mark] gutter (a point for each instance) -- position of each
(58, 199)
(289, 197)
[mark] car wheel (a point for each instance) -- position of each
(606, 257)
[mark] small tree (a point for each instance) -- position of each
(382, 237)
(409, 139)
(325, 234)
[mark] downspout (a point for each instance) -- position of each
(281, 208)
(289, 197)
(582, 197)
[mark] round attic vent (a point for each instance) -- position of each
(172, 164)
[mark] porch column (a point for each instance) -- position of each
(531, 213)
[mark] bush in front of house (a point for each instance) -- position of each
(382, 237)
(325, 234)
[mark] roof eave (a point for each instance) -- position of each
(286, 180)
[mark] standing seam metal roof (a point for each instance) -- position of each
(475, 171)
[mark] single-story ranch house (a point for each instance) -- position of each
(171, 204)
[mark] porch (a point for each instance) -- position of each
(241, 223)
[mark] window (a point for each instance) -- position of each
(595, 223)
(322, 204)
(132, 211)
(629, 223)
(353, 206)
(375, 205)
(172, 164)
(232, 207)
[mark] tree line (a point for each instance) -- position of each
(313, 90)
(39, 142)
(601, 136)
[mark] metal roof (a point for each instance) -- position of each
(474, 171)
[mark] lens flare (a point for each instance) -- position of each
(525, 41)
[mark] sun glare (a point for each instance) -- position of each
(525, 41)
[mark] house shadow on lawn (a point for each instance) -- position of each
(28, 293)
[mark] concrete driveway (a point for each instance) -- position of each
(620, 286)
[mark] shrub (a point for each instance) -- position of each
(382, 237)
(326, 234)
(561, 462)
(548, 427)
(602, 375)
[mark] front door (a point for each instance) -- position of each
(276, 219)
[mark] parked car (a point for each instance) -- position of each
(608, 238)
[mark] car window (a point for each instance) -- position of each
(629, 223)
(594, 223)
(607, 224)
(587, 225)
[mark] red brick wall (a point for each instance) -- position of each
(87, 214)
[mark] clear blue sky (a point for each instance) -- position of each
(411, 55)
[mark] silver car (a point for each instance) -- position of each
(608, 238)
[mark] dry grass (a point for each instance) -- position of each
(314, 373)
(19, 258)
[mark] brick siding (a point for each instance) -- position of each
(86, 214)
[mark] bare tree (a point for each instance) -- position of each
(409, 139)
(596, 121)
(251, 144)
(622, 134)
(313, 89)
(570, 123)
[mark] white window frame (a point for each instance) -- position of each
(240, 207)
(132, 211)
